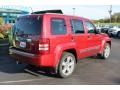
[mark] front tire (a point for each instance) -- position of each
(106, 52)
(66, 65)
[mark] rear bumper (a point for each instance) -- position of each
(46, 60)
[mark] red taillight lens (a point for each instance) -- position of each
(44, 45)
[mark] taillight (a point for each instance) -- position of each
(44, 46)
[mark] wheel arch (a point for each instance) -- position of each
(70, 50)
(109, 42)
(73, 51)
(103, 44)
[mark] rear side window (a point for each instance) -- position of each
(77, 26)
(58, 26)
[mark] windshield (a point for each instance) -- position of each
(31, 25)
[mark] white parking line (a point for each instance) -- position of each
(31, 72)
(27, 80)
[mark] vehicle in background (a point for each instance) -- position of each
(115, 31)
(98, 28)
(106, 28)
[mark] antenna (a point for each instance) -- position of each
(110, 12)
(73, 11)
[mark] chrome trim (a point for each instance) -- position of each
(21, 53)
(89, 49)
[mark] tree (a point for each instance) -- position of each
(115, 18)
(1, 20)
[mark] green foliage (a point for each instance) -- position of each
(1, 36)
(10, 37)
(4, 30)
(115, 18)
(1, 21)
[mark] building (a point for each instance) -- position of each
(10, 13)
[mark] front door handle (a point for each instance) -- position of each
(89, 36)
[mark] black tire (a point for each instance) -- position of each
(106, 52)
(66, 65)
(118, 34)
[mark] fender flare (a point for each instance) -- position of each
(59, 50)
(103, 45)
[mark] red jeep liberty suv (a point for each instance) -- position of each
(57, 41)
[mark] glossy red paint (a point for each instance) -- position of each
(47, 49)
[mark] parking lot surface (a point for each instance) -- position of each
(89, 71)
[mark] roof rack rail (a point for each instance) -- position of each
(48, 11)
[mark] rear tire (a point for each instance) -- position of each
(106, 52)
(66, 65)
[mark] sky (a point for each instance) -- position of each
(88, 11)
(92, 9)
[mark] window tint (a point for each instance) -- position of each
(77, 26)
(28, 25)
(58, 26)
(90, 27)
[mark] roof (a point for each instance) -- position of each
(72, 16)
(58, 14)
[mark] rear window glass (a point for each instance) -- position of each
(58, 26)
(28, 25)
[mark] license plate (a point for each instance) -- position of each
(23, 44)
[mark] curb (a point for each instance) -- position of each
(6, 44)
(4, 49)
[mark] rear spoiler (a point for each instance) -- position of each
(48, 11)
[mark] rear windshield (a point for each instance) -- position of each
(28, 25)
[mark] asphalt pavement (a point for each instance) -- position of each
(89, 71)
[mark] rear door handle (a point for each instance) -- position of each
(72, 39)
(89, 36)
